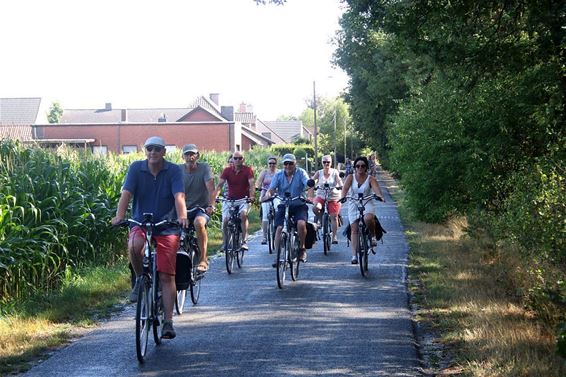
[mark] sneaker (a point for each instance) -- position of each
(167, 331)
(244, 245)
(354, 260)
(303, 255)
(133, 297)
(264, 242)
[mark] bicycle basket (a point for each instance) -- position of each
(183, 273)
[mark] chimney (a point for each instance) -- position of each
(215, 97)
(124, 116)
(108, 106)
(242, 107)
(227, 113)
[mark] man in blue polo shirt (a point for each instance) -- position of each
(156, 186)
(293, 180)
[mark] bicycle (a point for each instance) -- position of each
(364, 243)
(270, 237)
(149, 308)
(325, 222)
(233, 236)
(288, 250)
(189, 247)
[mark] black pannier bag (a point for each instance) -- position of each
(310, 239)
(183, 273)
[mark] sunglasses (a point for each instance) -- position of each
(360, 166)
(152, 148)
(238, 158)
(272, 163)
(288, 163)
(326, 162)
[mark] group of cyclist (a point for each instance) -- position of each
(191, 185)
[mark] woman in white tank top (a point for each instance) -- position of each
(263, 182)
(332, 177)
(361, 182)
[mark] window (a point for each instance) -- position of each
(129, 149)
(171, 149)
(100, 149)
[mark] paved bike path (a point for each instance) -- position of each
(331, 322)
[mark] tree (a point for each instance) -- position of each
(55, 113)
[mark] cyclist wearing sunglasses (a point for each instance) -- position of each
(331, 176)
(293, 180)
(240, 179)
(155, 186)
(361, 182)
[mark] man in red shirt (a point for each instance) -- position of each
(240, 179)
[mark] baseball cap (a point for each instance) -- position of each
(154, 140)
(190, 148)
(289, 157)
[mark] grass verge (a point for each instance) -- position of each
(472, 321)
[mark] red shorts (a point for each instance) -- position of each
(166, 247)
(333, 205)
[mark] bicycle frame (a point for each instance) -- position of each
(325, 220)
(149, 310)
(232, 246)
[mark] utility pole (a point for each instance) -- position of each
(315, 128)
(335, 137)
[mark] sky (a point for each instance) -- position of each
(143, 54)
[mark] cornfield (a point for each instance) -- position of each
(55, 208)
(55, 211)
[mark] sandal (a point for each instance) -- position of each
(202, 266)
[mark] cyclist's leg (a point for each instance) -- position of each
(136, 242)
(354, 237)
(264, 220)
(334, 210)
(167, 246)
(200, 221)
(300, 214)
(244, 208)
(317, 207)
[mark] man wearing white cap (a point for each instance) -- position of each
(199, 192)
(156, 186)
(293, 180)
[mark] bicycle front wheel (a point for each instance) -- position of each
(293, 247)
(363, 251)
(229, 251)
(326, 237)
(143, 321)
(282, 258)
(196, 276)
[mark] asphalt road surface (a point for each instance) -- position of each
(331, 322)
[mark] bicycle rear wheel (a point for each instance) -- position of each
(326, 237)
(282, 259)
(180, 301)
(229, 252)
(196, 276)
(293, 246)
(363, 251)
(143, 321)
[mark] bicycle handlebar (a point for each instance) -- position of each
(366, 198)
(146, 224)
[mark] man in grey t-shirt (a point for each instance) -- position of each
(199, 192)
